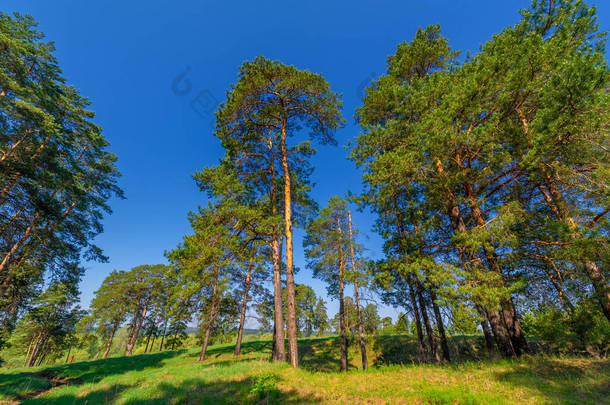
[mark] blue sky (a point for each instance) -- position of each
(155, 70)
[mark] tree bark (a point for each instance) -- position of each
(150, 334)
(591, 269)
(148, 341)
(68, 355)
(559, 207)
(279, 344)
(164, 333)
(458, 225)
(509, 313)
(440, 326)
(34, 356)
(418, 322)
(131, 341)
(412, 296)
(343, 337)
(489, 342)
(290, 293)
(212, 315)
(429, 330)
(278, 352)
(244, 306)
(109, 343)
(27, 355)
(365, 363)
(342, 334)
(502, 341)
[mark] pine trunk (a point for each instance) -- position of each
(68, 355)
(557, 203)
(244, 306)
(412, 296)
(278, 352)
(365, 363)
(27, 354)
(554, 199)
(290, 297)
(342, 317)
(489, 341)
(418, 322)
(342, 333)
(134, 336)
(164, 334)
(440, 326)
(502, 341)
(211, 317)
(429, 330)
(109, 342)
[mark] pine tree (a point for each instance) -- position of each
(56, 174)
(327, 247)
(270, 103)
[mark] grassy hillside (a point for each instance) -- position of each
(175, 377)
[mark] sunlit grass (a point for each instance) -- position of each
(176, 378)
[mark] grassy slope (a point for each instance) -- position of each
(176, 377)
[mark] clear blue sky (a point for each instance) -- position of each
(126, 55)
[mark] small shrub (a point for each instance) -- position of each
(264, 384)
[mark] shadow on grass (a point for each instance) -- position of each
(403, 349)
(20, 386)
(27, 384)
(321, 354)
(97, 396)
(191, 391)
(93, 371)
(565, 381)
(236, 392)
(254, 346)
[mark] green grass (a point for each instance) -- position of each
(175, 377)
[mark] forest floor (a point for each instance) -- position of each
(175, 377)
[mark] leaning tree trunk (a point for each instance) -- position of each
(291, 320)
(164, 334)
(591, 269)
(244, 306)
(509, 313)
(489, 341)
(441, 327)
(152, 330)
(109, 342)
(38, 346)
(458, 225)
(27, 354)
(418, 323)
(502, 340)
(555, 200)
(429, 330)
(131, 342)
(132, 330)
(365, 363)
(97, 355)
(68, 355)
(212, 315)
